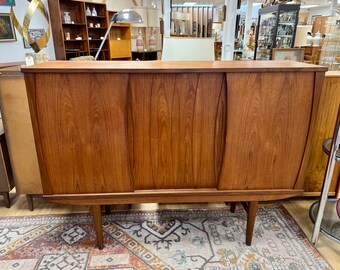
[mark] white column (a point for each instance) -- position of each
(166, 17)
(229, 30)
(249, 16)
(334, 6)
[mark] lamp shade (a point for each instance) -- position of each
(153, 17)
(127, 15)
(142, 12)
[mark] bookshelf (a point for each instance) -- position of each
(83, 33)
(96, 28)
(120, 39)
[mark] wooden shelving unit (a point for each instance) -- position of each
(91, 30)
(96, 28)
(120, 39)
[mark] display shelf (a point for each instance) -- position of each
(330, 52)
(287, 23)
(79, 25)
(73, 24)
(89, 17)
(120, 39)
(276, 29)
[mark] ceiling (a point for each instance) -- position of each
(244, 2)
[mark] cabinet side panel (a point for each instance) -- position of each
(322, 130)
(19, 135)
(174, 126)
(82, 124)
(268, 116)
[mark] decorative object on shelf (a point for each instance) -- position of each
(67, 17)
(293, 54)
(94, 12)
(88, 11)
(67, 36)
(7, 32)
(152, 40)
(140, 41)
(90, 24)
(125, 15)
(79, 37)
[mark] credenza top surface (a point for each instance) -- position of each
(169, 66)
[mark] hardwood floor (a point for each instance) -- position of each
(298, 208)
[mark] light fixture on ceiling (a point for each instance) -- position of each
(309, 6)
(189, 3)
(182, 5)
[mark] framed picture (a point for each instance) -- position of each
(35, 34)
(221, 13)
(293, 54)
(7, 3)
(7, 32)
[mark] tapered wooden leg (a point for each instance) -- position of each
(232, 207)
(29, 198)
(252, 208)
(98, 225)
(6, 199)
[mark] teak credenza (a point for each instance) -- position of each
(134, 132)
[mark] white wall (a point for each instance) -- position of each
(323, 11)
(121, 4)
(14, 51)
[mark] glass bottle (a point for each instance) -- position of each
(67, 17)
(152, 40)
(140, 41)
(88, 11)
(94, 12)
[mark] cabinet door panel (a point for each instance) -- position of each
(259, 152)
(83, 132)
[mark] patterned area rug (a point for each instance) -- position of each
(166, 239)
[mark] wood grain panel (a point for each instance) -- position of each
(208, 128)
(321, 130)
(171, 67)
(267, 127)
(82, 130)
(175, 196)
(184, 113)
